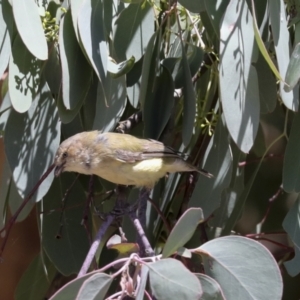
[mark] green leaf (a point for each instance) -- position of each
(133, 82)
(189, 101)
(291, 165)
(6, 25)
(261, 45)
(281, 38)
(238, 78)
(175, 65)
(29, 25)
(183, 230)
(170, 279)
(267, 86)
(218, 161)
(160, 104)
(71, 289)
(36, 280)
(291, 225)
(192, 5)
(108, 115)
(52, 71)
(75, 10)
(133, 30)
(15, 200)
(211, 289)
(215, 11)
(95, 287)
(24, 76)
(293, 71)
(76, 72)
(117, 70)
(31, 140)
(92, 35)
(63, 237)
(148, 70)
(140, 292)
(236, 263)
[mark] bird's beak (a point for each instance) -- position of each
(59, 169)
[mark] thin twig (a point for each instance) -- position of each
(90, 256)
(142, 236)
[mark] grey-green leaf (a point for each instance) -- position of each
(291, 225)
(92, 35)
(244, 268)
(211, 289)
(291, 165)
(95, 287)
(160, 104)
(76, 72)
(63, 237)
(238, 78)
(24, 76)
(170, 279)
(108, 114)
(183, 230)
(133, 30)
(189, 101)
(192, 5)
(6, 23)
(36, 280)
(30, 27)
(218, 160)
(281, 36)
(293, 70)
(31, 143)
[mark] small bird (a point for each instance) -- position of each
(120, 158)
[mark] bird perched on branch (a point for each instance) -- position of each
(120, 158)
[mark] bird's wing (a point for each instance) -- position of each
(151, 149)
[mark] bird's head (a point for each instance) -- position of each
(73, 155)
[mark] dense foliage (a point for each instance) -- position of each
(217, 80)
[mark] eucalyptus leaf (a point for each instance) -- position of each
(95, 286)
(292, 226)
(238, 79)
(278, 22)
(108, 114)
(92, 36)
(291, 166)
(160, 104)
(193, 6)
(76, 72)
(24, 76)
(183, 230)
(31, 142)
(293, 70)
(29, 25)
(189, 101)
(236, 263)
(218, 160)
(133, 30)
(6, 24)
(63, 237)
(36, 280)
(70, 290)
(170, 279)
(211, 288)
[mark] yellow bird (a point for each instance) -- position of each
(120, 158)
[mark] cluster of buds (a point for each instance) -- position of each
(50, 27)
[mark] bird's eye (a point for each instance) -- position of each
(65, 154)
